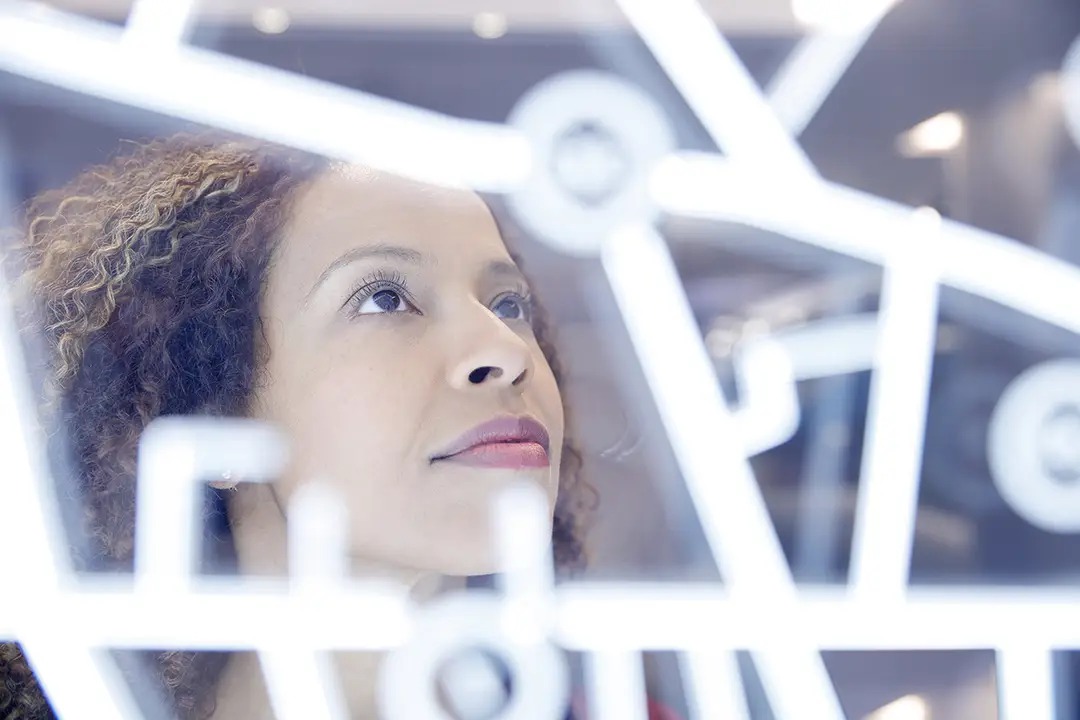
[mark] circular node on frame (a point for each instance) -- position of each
(596, 139)
(464, 662)
(1034, 445)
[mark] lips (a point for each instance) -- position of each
(508, 442)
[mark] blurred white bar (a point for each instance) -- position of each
(523, 542)
(31, 511)
(768, 412)
(695, 412)
(839, 15)
(620, 616)
(708, 447)
(167, 524)
(888, 493)
(233, 614)
(693, 617)
(522, 537)
(715, 84)
(79, 681)
(259, 101)
(1025, 682)
(714, 687)
(832, 346)
(318, 529)
(176, 456)
(761, 17)
(159, 25)
(863, 226)
(302, 685)
(616, 685)
(812, 70)
(301, 680)
(807, 78)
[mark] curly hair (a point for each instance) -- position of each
(145, 277)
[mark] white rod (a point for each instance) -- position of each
(610, 615)
(715, 84)
(812, 70)
(714, 687)
(1025, 682)
(896, 417)
(616, 685)
(710, 452)
(159, 25)
(255, 100)
(863, 226)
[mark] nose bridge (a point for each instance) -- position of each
(487, 351)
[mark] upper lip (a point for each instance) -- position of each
(499, 430)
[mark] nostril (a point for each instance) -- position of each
(481, 374)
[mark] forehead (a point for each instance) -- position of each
(349, 206)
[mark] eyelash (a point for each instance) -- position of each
(373, 283)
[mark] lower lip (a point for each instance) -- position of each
(514, 456)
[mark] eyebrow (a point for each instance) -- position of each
(504, 268)
(394, 252)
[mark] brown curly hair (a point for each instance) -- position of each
(145, 276)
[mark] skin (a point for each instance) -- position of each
(369, 397)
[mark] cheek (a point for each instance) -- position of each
(549, 402)
(353, 420)
(350, 414)
(548, 397)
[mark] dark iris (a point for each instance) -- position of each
(509, 308)
(387, 300)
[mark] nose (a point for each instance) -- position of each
(492, 355)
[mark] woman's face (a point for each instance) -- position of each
(403, 367)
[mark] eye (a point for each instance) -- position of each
(383, 301)
(381, 295)
(512, 306)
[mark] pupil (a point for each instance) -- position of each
(387, 300)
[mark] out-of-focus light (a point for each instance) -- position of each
(489, 25)
(935, 136)
(1046, 85)
(909, 707)
(722, 337)
(271, 20)
(839, 15)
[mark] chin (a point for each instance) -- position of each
(471, 557)
(461, 542)
(475, 555)
(471, 567)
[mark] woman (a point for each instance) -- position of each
(380, 322)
